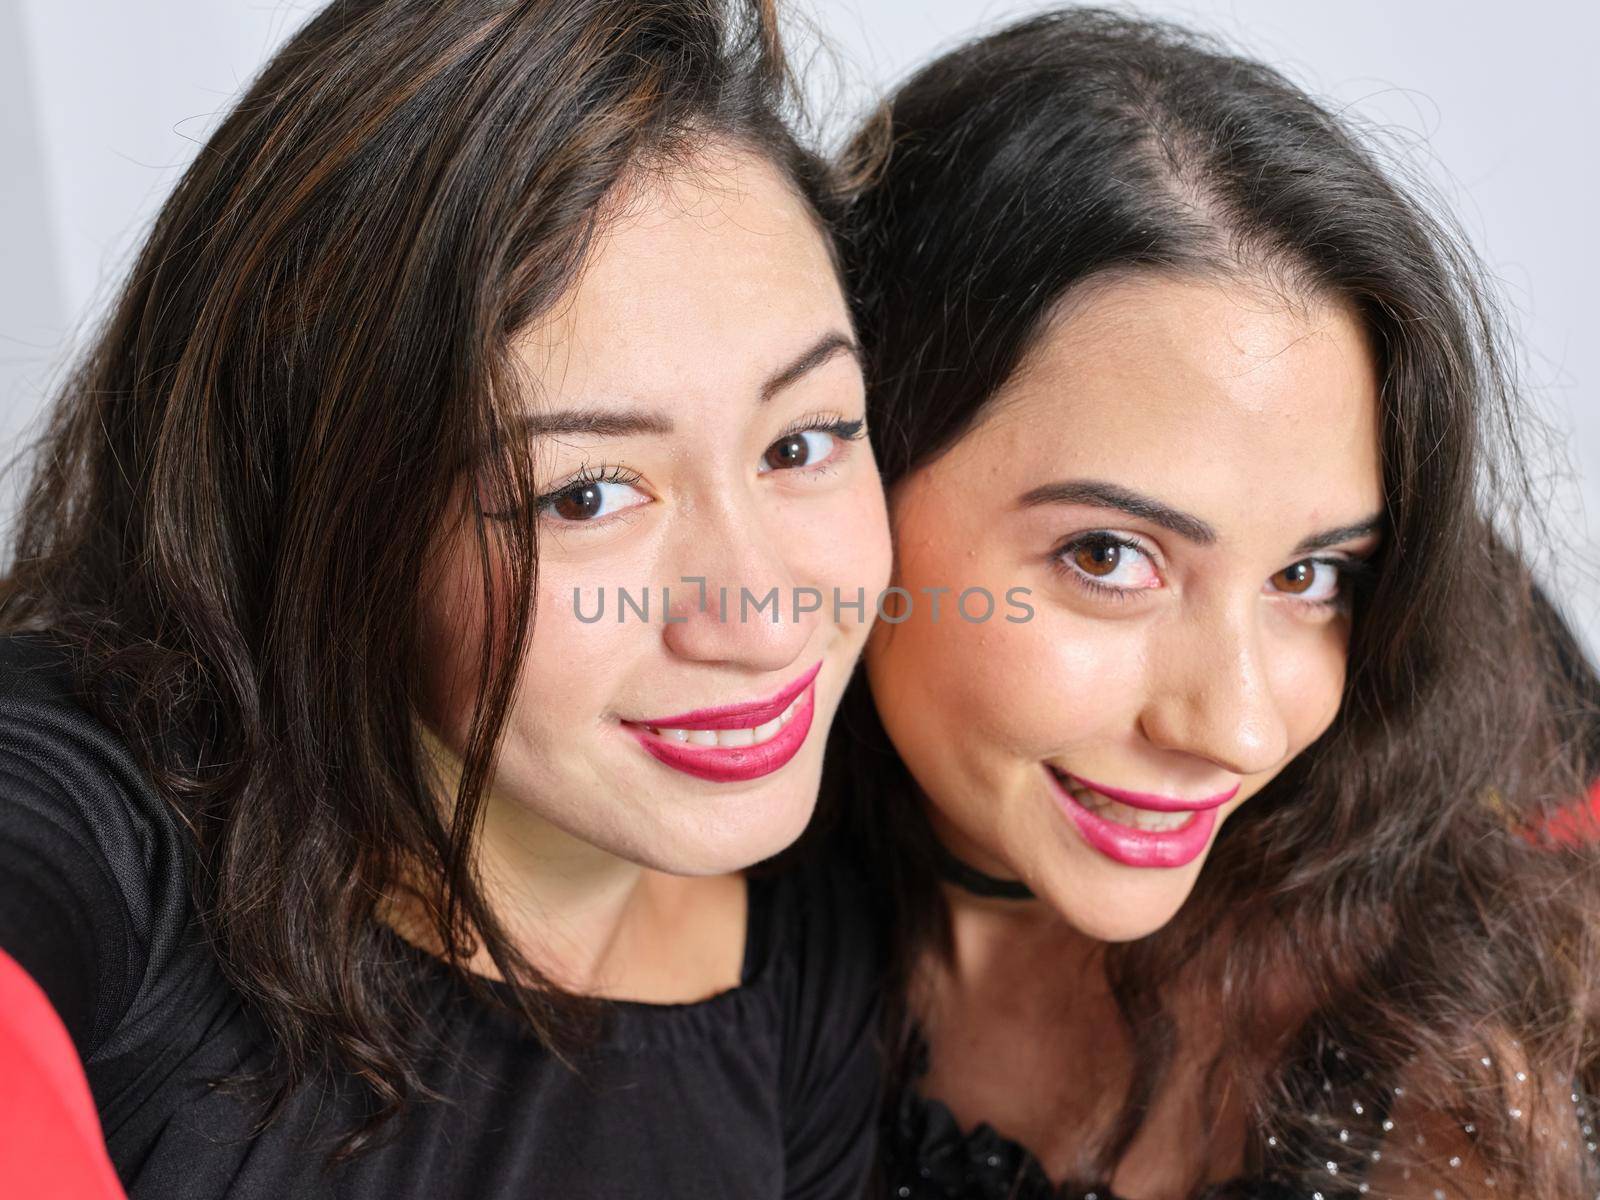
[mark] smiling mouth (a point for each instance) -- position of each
(729, 738)
(1115, 811)
(735, 754)
(1139, 830)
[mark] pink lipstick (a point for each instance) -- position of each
(734, 716)
(1151, 802)
(735, 742)
(1174, 846)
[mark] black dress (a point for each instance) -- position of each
(767, 1090)
(926, 1155)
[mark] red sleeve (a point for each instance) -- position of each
(1577, 824)
(50, 1142)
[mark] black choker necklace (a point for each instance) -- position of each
(970, 879)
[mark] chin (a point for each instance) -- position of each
(1121, 914)
(743, 831)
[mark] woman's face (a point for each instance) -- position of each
(698, 427)
(1186, 477)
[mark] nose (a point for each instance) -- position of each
(734, 599)
(1211, 696)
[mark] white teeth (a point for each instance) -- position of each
(733, 738)
(1126, 814)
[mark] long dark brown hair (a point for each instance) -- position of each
(1392, 880)
(230, 518)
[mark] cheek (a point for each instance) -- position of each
(564, 662)
(975, 707)
(1308, 674)
(573, 663)
(839, 540)
(453, 627)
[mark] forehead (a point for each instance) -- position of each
(702, 269)
(1221, 396)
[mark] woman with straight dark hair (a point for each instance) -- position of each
(345, 874)
(1156, 348)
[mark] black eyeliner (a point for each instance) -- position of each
(819, 422)
(583, 478)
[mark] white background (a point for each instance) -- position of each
(102, 102)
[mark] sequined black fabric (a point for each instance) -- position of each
(925, 1155)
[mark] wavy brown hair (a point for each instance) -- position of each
(1386, 914)
(229, 521)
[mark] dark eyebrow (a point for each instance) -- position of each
(1109, 495)
(831, 346)
(593, 422)
(1345, 533)
(628, 422)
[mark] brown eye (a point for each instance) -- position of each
(810, 447)
(1297, 578)
(589, 500)
(787, 452)
(1097, 558)
(1108, 565)
(578, 503)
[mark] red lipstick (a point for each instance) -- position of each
(734, 764)
(734, 716)
(1133, 847)
(1152, 802)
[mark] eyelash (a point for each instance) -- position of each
(824, 422)
(1058, 559)
(831, 423)
(1354, 573)
(586, 475)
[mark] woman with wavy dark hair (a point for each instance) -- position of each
(465, 311)
(1217, 861)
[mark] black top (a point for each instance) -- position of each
(767, 1090)
(926, 1155)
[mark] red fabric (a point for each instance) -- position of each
(1577, 825)
(50, 1143)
